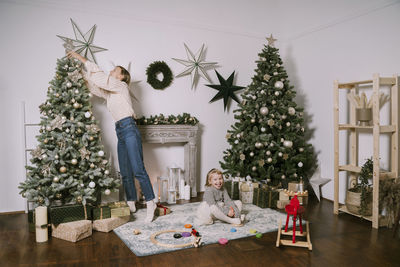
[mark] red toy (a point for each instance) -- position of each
(295, 210)
(195, 233)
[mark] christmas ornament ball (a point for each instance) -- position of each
(264, 111)
(278, 85)
(251, 154)
(268, 153)
(69, 84)
(288, 124)
(100, 153)
(273, 102)
(263, 129)
(269, 160)
(258, 145)
(283, 117)
(92, 184)
(56, 179)
(283, 176)
(253, 120)
(238, 135)
(291, 110)
(76, 105)
(48, 128)
(63, 169)
(236, 142)
(254, 168)
(276, 93)
(87, 114)
(300, 164)
(76, 91)
(92, 165)
(301, 149)
(107, 192)
(74, 161)
(280, 154)
(106, 172)
(275, 73)
(287, 143)
(45, 141)
(91, 138)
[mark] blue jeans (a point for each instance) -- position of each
(130, 158)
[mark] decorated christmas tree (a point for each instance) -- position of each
(267, 140)
(69, 163)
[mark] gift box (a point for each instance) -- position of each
(119, 209)
(283, 195)
(265, 197)
(293, 187)
(72, 231)
(101, 212)
(70, 213)
(162, 210)
(109, 224)
(280, 204)
(233, 189)
(246, 193)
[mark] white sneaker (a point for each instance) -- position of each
(151, 207)
(132, 206)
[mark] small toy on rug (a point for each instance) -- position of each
(194, 232)
(177, 235)
(186, 234)
(233, 230)
(223, 241)
(259, 235)
(136, 232)
(253, 231)
(188, 226)
(195, 242)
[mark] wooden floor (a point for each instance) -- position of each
(337, 241)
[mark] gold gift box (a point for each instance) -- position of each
(119, 209)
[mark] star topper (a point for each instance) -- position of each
(83, 43)
(195, 65)
(271, 40)
(226, 89)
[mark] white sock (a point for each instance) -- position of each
(151, 207)
(132, 206)
(242, 217)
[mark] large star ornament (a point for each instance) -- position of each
(226, 89)
(195, 65)
(83, 43)
(316, 181)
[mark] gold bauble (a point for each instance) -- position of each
(92, 165)
(76, 105)
(74, 161)
(58, 196)
(45, 141)
(91, 138)
(79, 130)
(63, 169)
(79, 199)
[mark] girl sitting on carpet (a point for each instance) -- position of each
(217, 204)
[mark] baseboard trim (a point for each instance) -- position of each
(12, 212)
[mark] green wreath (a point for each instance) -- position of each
(153, 69)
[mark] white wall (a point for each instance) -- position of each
(319, 42)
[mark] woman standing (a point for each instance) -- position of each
(114, 89)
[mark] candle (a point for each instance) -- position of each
(181, 189)
(41, 220)
(187, 192)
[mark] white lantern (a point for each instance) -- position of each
(162, 183)
(176, 184)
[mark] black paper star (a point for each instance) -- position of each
(226, 89)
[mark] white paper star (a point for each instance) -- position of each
(317, 181)
(195, 65)
(82, 43)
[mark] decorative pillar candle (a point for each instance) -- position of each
(41, 224)
(181, 189)
(187, 192)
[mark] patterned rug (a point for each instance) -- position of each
(262, 220)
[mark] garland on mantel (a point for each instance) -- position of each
(185, 118)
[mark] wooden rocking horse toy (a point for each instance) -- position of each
(294, 209)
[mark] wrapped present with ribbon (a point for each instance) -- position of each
(101, 212)
(119, 209)
(109, 224)
(162, 210)
(72, 231)
(232, 186)
(70, 213)
(265, 196)
(246, 193)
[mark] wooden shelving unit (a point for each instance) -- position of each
(392, 129)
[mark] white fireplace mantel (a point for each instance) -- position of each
(187, 134)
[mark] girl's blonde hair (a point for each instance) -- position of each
(126, 76)
(211, 172)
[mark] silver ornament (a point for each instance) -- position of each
(278, 85)
(87, 114)
(287, 143)
(56, 179)
(254, 168)
(76, 91)
(301, 149)
(100, 153)
(273, 102)
(283, 117)
(264, 111)
(288, 124)
(251, 154)
(69, 85)
(269, 160)
(283, 176)
(74, 161)
(268, 153)
(291, 111)
(236, 142)
(107, 192)
(106, 172)
(258, 145)
(263, 129)
(253, 120)
(300, 164)
(276, 93)
(92, 184)
(280, 154)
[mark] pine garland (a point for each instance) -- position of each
(185, 118)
